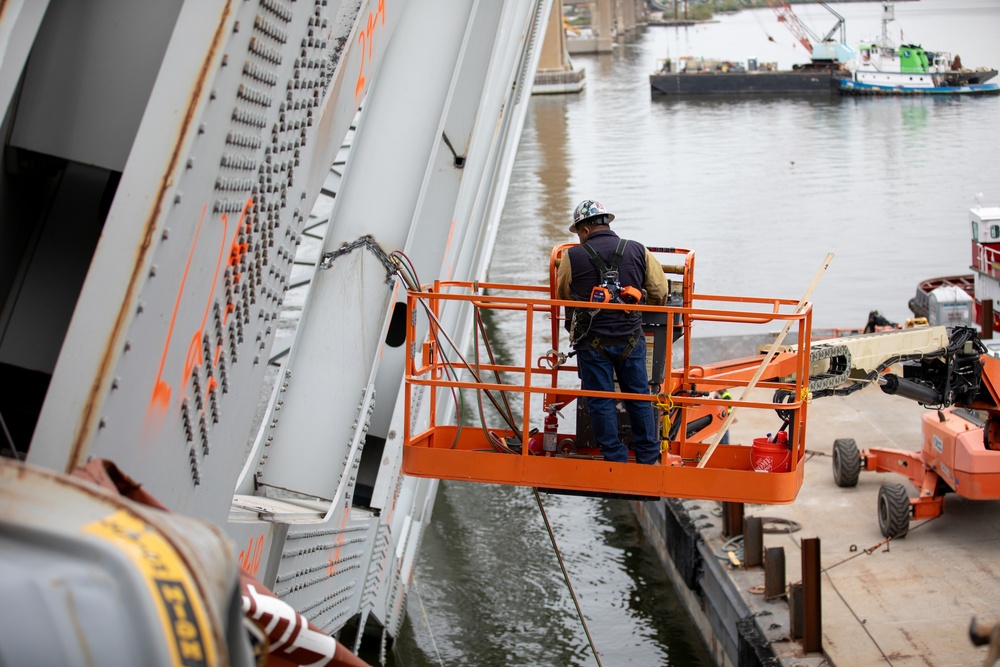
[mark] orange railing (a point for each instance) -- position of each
(518, 452)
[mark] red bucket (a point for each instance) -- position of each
(767, 456)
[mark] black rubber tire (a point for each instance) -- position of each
(893, 510)
(846, 462)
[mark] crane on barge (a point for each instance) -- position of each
(822, 50)
(788, 16)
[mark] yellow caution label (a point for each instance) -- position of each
(185, 623)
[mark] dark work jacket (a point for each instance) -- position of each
(609, 325)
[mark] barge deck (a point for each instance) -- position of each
(903, 602)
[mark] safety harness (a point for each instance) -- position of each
(608, 290)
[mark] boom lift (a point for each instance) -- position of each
(518, 452)
(961, 438)
(948, 369)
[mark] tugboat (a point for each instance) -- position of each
(960, 299)
(985, 222)
(882, 68)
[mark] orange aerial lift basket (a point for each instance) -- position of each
(534, 449)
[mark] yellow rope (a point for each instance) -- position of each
(665, 403)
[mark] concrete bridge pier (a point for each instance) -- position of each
(610, 20)
(556, 74)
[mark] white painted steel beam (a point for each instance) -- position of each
(19, 22)
(462, 95)
(403, 181)
(165, 356)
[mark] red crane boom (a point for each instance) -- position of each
(788, 17)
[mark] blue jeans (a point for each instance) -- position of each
(597, 373)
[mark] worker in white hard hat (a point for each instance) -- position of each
(609, 344)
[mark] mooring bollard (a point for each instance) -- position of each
(774, 573)
(732, 519)
(812, 618)
(795, 609)
(753, 541)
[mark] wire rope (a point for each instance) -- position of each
(404, 269)
(569, 584)
(869, 551)
(861, 622)
(489, 350)
(406, 272)
(423, 612)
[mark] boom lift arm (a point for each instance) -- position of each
(941, 367)
(961, 438)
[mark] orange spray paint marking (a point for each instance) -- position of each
(250, 557)
(194, 349)
(334, 557)
(236, 253)
(193, 356)
(161, 390)
(366, 39)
